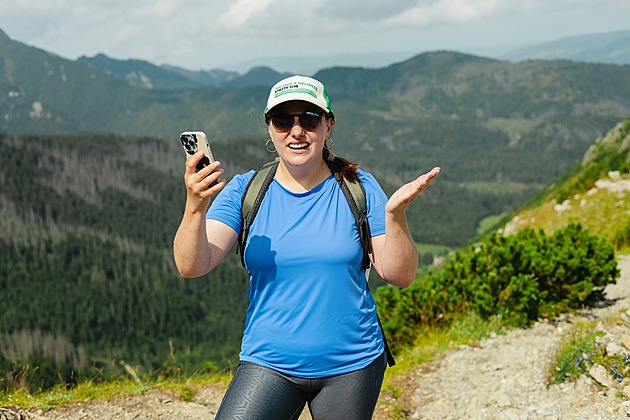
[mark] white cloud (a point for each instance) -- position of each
(209, 33)
(444, 11)
(265, 19)
(237, 16)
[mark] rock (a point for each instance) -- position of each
(625, 340)
(600, 374)
(6, 414)
(614, 349)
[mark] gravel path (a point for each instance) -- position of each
(503, 377)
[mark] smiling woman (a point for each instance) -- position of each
(312, 335)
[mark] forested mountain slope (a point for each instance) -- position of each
(86, 267)
(499, 130)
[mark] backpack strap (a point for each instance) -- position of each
(355, 196)
(354, 192)
(252, 197)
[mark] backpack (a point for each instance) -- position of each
(354, 193)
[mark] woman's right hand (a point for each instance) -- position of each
(199, 188)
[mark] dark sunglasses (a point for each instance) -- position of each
(283, 121)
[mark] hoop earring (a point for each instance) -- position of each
(267, 146)
(332, 143)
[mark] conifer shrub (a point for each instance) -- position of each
(518, 278)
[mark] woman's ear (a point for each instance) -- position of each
(329, 125)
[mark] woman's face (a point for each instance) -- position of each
(299, 145)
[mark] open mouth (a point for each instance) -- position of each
(298, 146)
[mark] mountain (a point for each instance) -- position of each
(143, 74)
(86, 268)
(257, 76)
(214, 77)
(607, 47)
(595, 192)
(311, 63)
(499, 130)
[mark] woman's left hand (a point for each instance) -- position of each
(400, 200)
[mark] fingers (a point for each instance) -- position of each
(426, 179)
(207, 181)
(406, 194)
(192, 162)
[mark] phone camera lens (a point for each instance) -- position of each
(190, 143)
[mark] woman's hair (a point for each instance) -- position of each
(346, 169)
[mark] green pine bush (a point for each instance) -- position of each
(518, 278)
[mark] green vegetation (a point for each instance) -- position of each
(518, 278)
(184, 386)
(89, 289)
(580, 351)
(499, 130)
(595, 193)
(86, 268)
(577, 353)
(606, 155)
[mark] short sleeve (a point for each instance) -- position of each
(226, 207)
(376, 200)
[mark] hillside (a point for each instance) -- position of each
(86, 230)
(500, 377)
(596, 192)
(504, 375)
(499, 130)
(607, 47)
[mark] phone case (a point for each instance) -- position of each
(193, 141)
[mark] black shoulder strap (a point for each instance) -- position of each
(252, 197)
(355, 196)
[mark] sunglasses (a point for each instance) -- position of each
(283, 121)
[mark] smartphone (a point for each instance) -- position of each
(192, 141)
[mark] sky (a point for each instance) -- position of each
(210, 34)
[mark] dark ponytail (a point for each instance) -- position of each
(345, 168)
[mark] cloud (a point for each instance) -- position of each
(208, 33)
(444, 11)
(241, 12)
(273, 18)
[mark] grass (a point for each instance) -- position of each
(489, 223)
(577, 351)
(185, 387)
(433, 249)
(60, 394)
(580, 351)
(598, 211)
(432, 342)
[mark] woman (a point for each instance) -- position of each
(311, 333)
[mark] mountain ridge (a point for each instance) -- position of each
(499, 130)
(607, 47)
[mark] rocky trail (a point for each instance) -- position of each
(503, 377)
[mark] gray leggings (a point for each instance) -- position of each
(260, 393)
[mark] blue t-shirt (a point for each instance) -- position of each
(310, 314)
